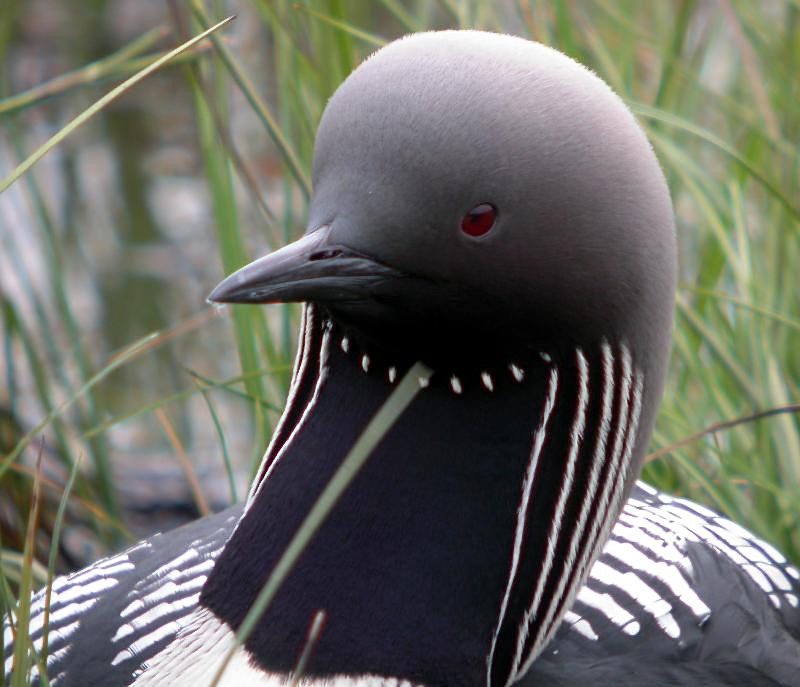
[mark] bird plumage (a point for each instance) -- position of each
(705, 603)
(496, 535)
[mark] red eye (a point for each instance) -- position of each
(479, 220)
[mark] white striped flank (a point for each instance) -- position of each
(661, 543)
(54, 650)
(73, 595)
(580, 625)
(140, 644)
(190, 555)
(164, 600)
(95, 572)
(8, 633)
(646, 567)
(186, 575)
(65, 610)
(55, 639)
(668, 574)
(605, 603)
(674, 522)
(89, 589)
(522, 510)
(632, 585)
(54, 657)
(599, 458)
(556, 526)
(301, 360)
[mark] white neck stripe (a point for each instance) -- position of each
(300, 365)
(547, 626)
(522, 511)
(623, 421)
(576, 435)
(322, 376)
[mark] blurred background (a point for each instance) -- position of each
(116, 373)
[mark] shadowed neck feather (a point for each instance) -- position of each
(454, 553)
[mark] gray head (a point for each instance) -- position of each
(439, 125)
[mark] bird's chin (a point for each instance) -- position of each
(440, 341)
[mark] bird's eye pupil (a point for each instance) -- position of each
(479, 220)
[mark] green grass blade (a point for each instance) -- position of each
(369, 38)
(89, 74)
(51, 560)
(682, 124)
(203, 388)
(258, 105)
(22, 647)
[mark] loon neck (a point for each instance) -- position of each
(456, 550)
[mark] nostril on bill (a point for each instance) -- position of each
(324, 254)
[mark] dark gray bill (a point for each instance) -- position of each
(310, 269)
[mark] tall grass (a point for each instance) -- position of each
(714, 85)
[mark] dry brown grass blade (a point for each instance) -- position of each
(186, 465)
(96, 511)
(719, 427)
